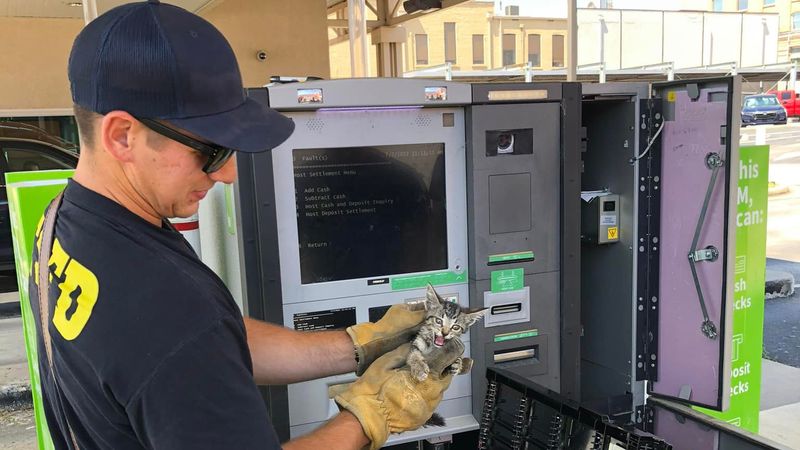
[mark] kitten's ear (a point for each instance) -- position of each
(431, 298)
(473, 316)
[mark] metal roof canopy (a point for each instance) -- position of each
(74, 9)
(593, 73)
(387, 12)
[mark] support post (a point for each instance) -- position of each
(390, 50)
(572, 40)
(357, 28)
(89, 11)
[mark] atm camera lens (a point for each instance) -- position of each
(505, 141)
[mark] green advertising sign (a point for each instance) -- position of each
(749, 274)
(29, 193)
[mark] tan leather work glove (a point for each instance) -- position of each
(388, 399)
(398, 326)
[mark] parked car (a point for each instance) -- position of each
(789, 101)
(762, 108)
(26, 147)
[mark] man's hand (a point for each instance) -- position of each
(398, 326)
(388, 399)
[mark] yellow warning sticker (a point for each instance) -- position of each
(671, 96)
(612, 233)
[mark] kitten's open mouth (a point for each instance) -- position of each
(438, 341)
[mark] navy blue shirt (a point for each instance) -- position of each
(149, 348)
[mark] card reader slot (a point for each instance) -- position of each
(506, 309)
(511, 261)
(515, 354)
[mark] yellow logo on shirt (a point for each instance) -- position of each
(78, 287)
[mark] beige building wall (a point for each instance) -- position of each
(33, 66)
(470, 19)
(293, 33)
(521, 28)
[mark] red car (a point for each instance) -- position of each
(789, 101)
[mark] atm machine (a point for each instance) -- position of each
(361, 208)
(566, 210)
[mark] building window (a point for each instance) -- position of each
(421, 45)
(742, 5)
(794, 53)
(450, 42)
(717, 5)
(769, 2)
(535, 49)
(558, 50)
(509, 49)
(795, 21)
(477, 49)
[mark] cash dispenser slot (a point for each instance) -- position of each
(506, 309)
(515, 354)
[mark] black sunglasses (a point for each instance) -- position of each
(217, 155)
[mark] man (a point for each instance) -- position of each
(144, 345)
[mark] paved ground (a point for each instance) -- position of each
(782, 320)
(17, 429)
(780, 384)
(783, 239)
(13, 363)
(782, 315)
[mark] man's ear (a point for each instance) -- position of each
(118, 132)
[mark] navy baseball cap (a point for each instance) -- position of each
(159, 61)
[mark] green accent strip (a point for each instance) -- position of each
(435, 279)
(516, 335)
(503, 257)
(29, 193)
(507, 280)
(38, 175)
(230, 219)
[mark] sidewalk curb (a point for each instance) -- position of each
(10, 309)
(777, 190)
(778, 284)
(15, 395)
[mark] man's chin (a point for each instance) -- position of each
(186, 211)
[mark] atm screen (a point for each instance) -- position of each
(370, 211)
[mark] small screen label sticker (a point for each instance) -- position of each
(435, 93)
(612, 233)
(331, 319)
(309, 96)
(608, 219)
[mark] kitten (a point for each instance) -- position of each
(445, 320)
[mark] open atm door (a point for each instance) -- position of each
(686, 237)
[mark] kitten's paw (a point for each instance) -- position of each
(420, 372)
(456, 367)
